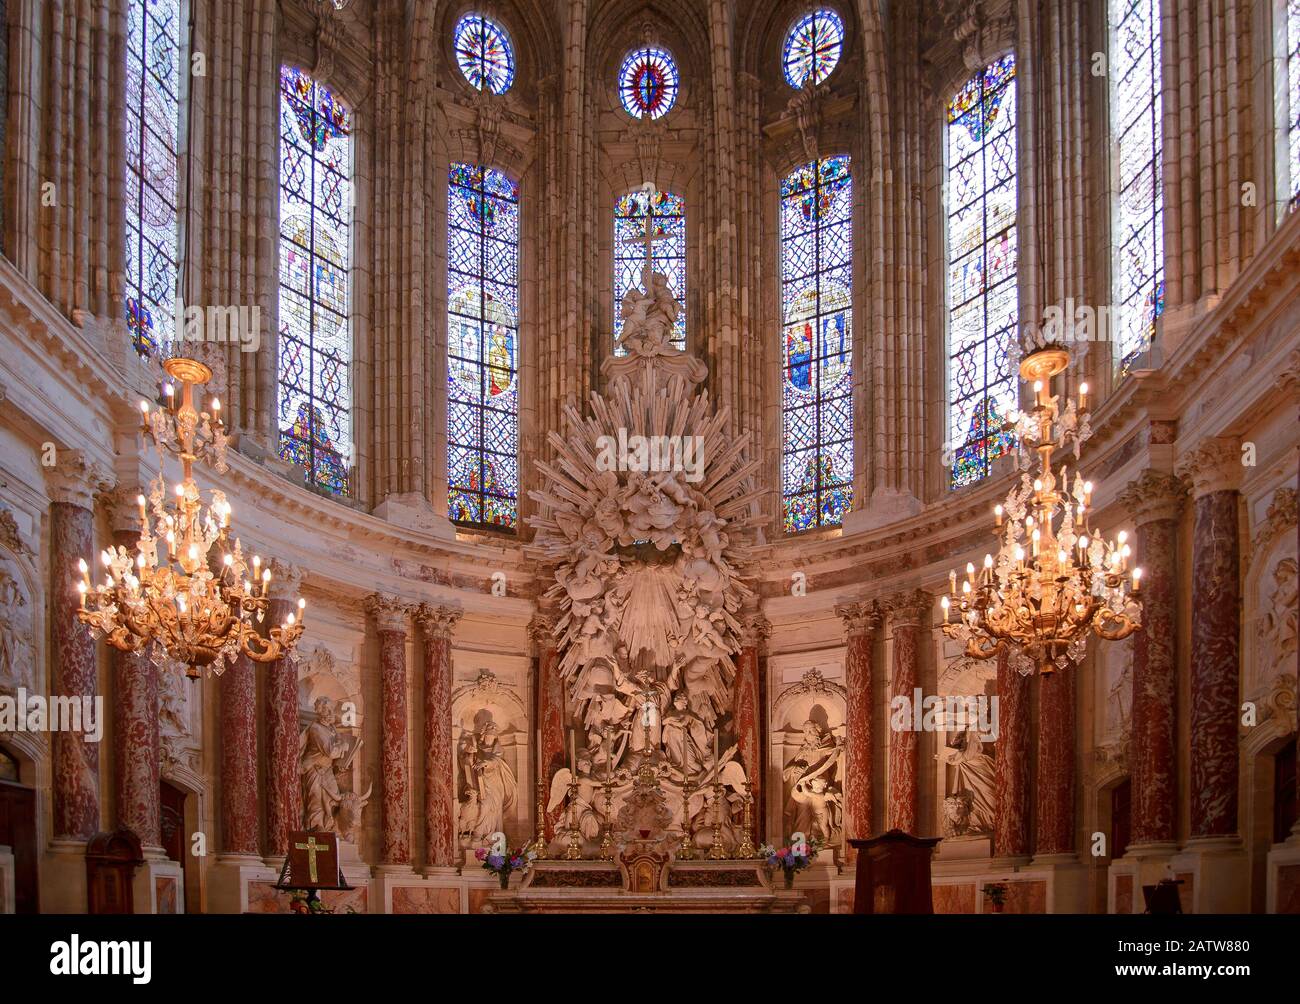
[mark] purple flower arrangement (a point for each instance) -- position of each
(790, 859)
(503, 864)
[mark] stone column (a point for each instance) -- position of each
(1011, 763)
(137, 745)
(747, 708)
(237, 693)
(550, 707)
(283, 792)
(1155, 500)
(390, 618)
(1214, 469)
(437, 623)
(909, 615)
(861, 625)
(1054, 804)
(75, 766)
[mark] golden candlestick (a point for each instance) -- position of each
(607, 841)
(687, 852)
(717, 852)
(574, 851)
(747, 848)
(539, 837)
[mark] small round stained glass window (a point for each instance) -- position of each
(648, 83)
(813, 48)
(484, 53)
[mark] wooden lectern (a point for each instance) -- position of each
(894, 874)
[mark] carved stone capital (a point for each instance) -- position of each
(9, 535)
(755, 630)
(1153, 495)
(76, 479)
(286, 580)
(438, 622)
(123, 507)
(1214, 465)
(910, 608)
(860, 618)
(1280, 518)
(541, 631)
(389, 612)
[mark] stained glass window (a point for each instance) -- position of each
(648, 83)
(1138, 243)
(482, 347)
(813, 48)
(153, 108)
(484, 53)
(981, 281)
(665, 215)
(817, 332)
(1293, 98)
(315, 358)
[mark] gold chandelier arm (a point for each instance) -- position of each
(1112, 626)
(256, 647)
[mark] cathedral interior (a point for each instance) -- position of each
(610, 455)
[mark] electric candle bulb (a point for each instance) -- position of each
(988, 561)
(144, 407)
(81, 565)
(943, 602)
(1137, 579)
(228, 560)
(952, 582)
(1061, 556)
(970, 570)
(1123, 536)
(302, 604)
(965, 588)
(266, 575)
(291, 620)
(1087, 490)
(1083, 542)
(997, 515)
(1083, 395)
(1038, 484)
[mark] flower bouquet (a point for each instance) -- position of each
(997, 895)
(793, 857)
(501, 862)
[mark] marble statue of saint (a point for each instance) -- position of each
(492, 780)
(973, 772)
(818, 809)
(321, 752)
(685, 737)
(16, 661)
(817, 755)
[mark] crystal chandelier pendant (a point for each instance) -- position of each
(1053, 581)
(187, 591)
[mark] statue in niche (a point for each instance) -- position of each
(489, 787)
(1278, 625)
(649, 314)
(685, 737)
(815, 785)
(817, 811)
(971, 803)
(16, 660)
(323, 755)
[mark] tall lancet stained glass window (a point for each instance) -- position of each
(981, 280)
(153, 105)
(315, 258)
(482, 347)
(1292, 103)
(663, 215)
(817, 334)
(1138, 247)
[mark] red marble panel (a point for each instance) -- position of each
(1123, 893)
(550, 716)
(478, 899)
(394, 753)
(901, 806)
(1011, 763)
(75, 763)
(1026, 897)
(136, 747)
(1151, 750)
(283, 794)
(165, 894)
(745, 716)
(1216, 626)
(1055, 781)
(237, 689)
(423, 899)
(858, 772)
(439, 768)
(844, 902)
(954, 897)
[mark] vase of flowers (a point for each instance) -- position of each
(997, 895)
(502, 862)
(794, 857)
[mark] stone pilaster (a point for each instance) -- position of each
(862, 623)
(1011, 763)
(746, 703)
(437, 623)
(390, 616)
(283, 794)
(910, 613)
(550, 705)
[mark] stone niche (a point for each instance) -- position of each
(964, 750)
(490, 737)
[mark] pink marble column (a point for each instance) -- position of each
(1055, 779)
(75, 764)
(861, 625)
(437, 624)
(550, 706)
(283, 793)
(137, 745)
(1214, 468)
(1011, 763)
(395, 808)
(746, 711)
(1154, 500)
(910, 614)
(237, 694)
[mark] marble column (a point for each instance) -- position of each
(283, 792)
(137, 744)
(861, 625)
(746, 707)
(1154, 500)
(910, 613)
(75, 762)
(237, 694)
(437, 623)
(1214, 468)
(1011, 763)
(395, 771)
(1055, 780)
(550, 706)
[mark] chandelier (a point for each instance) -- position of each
(1053, 581)
(187, 589)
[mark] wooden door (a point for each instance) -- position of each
(18, 831)
(171, 802)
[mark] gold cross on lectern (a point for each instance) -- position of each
(311, 847)
(649, 239)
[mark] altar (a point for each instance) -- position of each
(737, 886)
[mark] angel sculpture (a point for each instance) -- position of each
(583, 812)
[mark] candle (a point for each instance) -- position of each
(539, 754)
(715, 751)
(573, 752)
(1083, 396)
(944, 603)
(1137, 580)
(952, 582)
(997, 515)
